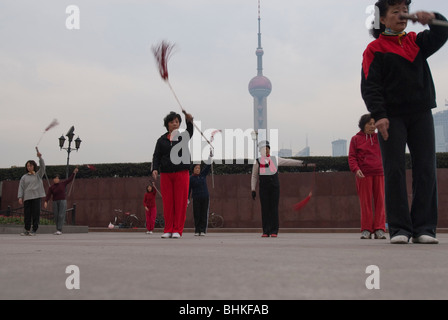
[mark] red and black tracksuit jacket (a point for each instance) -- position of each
(400, 61)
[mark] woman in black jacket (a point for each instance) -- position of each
(399, 92)
(172, 160)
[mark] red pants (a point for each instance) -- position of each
(174, 188)
(151, 218)
(372, 188)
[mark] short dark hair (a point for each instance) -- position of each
(32, 162)
(364, 120)
(170, 117)
(383, 6)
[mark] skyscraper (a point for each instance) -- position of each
(260, 87)
(441, 130)
(339, 148)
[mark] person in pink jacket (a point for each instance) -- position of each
(365, 162)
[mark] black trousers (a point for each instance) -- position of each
(200, 214)
(269, 191)
(417, 131)
(32, 214)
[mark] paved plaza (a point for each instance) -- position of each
(219, 266)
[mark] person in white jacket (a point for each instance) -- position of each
(266, 167)
(31, 190)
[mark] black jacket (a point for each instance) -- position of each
(396, 78)
(161, 160)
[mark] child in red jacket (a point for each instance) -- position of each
(149, 202)
(365, 162)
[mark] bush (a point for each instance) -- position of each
(119, 170)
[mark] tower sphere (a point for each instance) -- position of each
(260, 86)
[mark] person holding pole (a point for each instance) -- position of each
(31, 190)
(58, 192)
(172, 159)
(398, 90)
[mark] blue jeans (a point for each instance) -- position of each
(417, 131)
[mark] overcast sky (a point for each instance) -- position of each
(102, 77)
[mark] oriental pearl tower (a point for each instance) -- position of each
(260, 87)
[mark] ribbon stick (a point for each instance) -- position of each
(304, 202)
(162, 54)
(211, 155)
(434, 22)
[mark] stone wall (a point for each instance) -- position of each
(334, 203)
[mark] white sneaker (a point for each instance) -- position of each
(202, 234)
(197, 234)
(58, 233)
(425, 239)
(166, 235)
(148, 232)
(176, 235)
(399, 240)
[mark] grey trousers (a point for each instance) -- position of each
(59, 210)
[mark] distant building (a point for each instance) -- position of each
(441, 131)
(285, 153)
(339, 148)
(305, 152)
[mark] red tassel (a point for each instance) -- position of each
(162, 53)
(302, 203)
(53, 123)
(91, 167)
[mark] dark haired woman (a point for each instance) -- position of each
(31, 190)
(149, 202)
(201, 198)
(364, 159)
(399, 92)
(172, 160)
(57, 191)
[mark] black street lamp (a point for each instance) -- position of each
(70, 136)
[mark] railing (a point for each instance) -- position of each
(46, 214)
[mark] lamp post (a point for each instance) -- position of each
(69, 149)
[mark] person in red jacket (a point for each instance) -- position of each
(365, 162)
(149, 202)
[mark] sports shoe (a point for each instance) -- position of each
(32, 233)
(202, 234)
(379, 234)
(148, 232)
(57, 233)
(273, 235)
(176, 235)
(366, 234)
(425, 239)
(264, 235)
(166, 235)
(197, 234)
(399, 239)
(25, 233)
